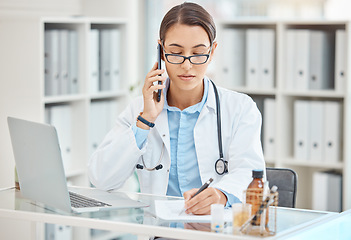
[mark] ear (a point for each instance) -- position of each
(162, 55)
(214, 47)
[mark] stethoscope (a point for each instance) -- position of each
(221, 165)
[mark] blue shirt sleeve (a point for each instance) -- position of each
(231, 199)
(140, 135)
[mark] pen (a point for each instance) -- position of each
(203, 187)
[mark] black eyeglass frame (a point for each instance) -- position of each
(189, 57)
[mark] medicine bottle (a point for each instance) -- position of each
(254, 192)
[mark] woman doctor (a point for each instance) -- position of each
(174, 143)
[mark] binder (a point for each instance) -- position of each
(105, 60)
(269, 128)
(52, 74)
(301, 73)
(334, 202)
(260, 105)
(63, 64)
(115, 68)
(340, 59)
(316, 130)
(301, 130)
(321, 59)
(320, 191)
(252, 57)
(99, 111)
(332, 136)
(327, 191)
(267, 53)
(233, 66)
(73, 68)
(94, 61)
(290, 58)
(114, 109)
(60, 117)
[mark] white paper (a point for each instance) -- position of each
(171, 209)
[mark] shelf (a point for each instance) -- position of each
(269, 92)
(313, 164)
(103, 95)
(315, 93)
(64, 98)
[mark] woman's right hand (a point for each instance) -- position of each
(152, 108)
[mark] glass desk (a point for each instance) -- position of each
(143, 221)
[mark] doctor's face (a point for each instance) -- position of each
(187, 40)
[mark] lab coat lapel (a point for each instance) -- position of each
(203, 129)
(161, 125)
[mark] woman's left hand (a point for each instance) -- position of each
(201, 203)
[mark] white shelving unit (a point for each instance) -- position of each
(285, 98)
(23, 89)
(80, 102)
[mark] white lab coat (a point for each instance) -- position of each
(115, 159)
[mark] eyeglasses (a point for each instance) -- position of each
(194, 59)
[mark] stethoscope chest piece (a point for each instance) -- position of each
(221, 166)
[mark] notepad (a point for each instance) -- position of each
(171, 209)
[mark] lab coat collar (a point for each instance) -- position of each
(210, 105)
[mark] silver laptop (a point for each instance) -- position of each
(41, 173)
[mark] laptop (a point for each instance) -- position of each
(41, 174)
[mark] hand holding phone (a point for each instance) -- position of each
(159, 52)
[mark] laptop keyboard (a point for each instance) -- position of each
(79, 201)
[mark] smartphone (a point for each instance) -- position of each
(159, 52)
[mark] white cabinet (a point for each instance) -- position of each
(303, 66)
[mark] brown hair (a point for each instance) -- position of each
(190, 14)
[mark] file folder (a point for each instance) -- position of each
(267, 56)
(233, 67)
(332, 127)
(60, 117)
(269, 124)
(321, 60)
(94, 60)
(63, 65)
(99, 112)
(302, 40)
(327, 191)
(301, 130)
(290, 59)
(316, 130)
(73, 67)
(340, 59)
(252, 58)
(115, 62)
(105, 60)
(52, 72)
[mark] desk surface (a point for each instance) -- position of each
(143, 221)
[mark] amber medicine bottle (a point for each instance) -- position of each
(254, 192)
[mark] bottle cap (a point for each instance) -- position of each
(257, 173)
